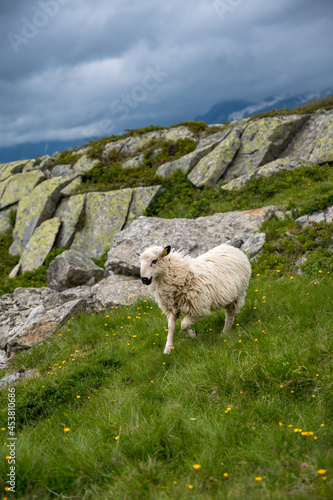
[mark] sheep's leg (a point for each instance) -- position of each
(229, 317)
(171, 331)
(186, 322)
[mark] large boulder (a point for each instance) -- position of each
(69, 212)
(35, 208)
(119, 290)
(19, 185)
(195, 236)
(105, 215)
(84, 165)
(41, 324)
(5, 224)
(39, 245)
(211, 168)
(314, 142)
(142, 198)
(14, 167)
(71, 269)
(262, 141)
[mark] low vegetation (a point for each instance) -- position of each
(243, 416)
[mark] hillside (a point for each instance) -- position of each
(100, 411)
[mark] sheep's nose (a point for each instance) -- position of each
(146, 281)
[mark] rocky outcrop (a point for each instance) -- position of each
(211, 168)
(69, 211)
(320, 216)
(262, 141)
(5, 219)
(71, 269)
(195, 236)
(17, 186)
(39, 245)
(14, 167)
(35, 208)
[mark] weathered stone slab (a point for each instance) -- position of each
(312, 141)
(142, 198)
(84, 164)
(105, 215)
(14, 167)
(13, 378)
(3, 361)
(134, 162)
(41, 325)
(254, 244)
(262, 141)
(5, 219)
(39, 245)
(35, 208)
(268, 169)
(71, 188)
(69, 212)
(71, 269)
(62, 170)
(18, 186)
(185, 163)
(195, 236)
(115, 290)
(211, 168)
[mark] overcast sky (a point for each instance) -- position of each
(78, 68)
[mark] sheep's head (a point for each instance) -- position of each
(150, 263)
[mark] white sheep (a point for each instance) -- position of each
(214, 280)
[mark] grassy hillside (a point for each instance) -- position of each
(109, 416)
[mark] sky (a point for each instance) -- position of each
(81, 69)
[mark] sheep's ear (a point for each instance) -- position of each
(166, 251)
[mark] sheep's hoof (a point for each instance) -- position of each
(167, 350)
(191, 334)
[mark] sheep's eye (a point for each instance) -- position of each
(154, 261)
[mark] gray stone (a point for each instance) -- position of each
(105, 215)
(41, 326)
(3, 359)
(211, 168)
(254, 244)
(71, 188)
(142, 198)
(13, 378)
(69, 211)
(5, 220)
(15, 271)
(263, 141)
(84, 165)
(18, 186)
(213, 138)
(4, 333)
(39, 245)
(34, 209)
(317, 217)
(62, 170)
(302, 220)
(71, 269)
(185, 163)
(116, 290)
(134, 162)
(195, 236)
(14, 167)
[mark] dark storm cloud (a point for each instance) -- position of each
(74, 68)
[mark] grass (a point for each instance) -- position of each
(138, 420)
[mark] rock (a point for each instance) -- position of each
(71, 269)
(254, 244)
(213, 138)
(39, 245)
(46, 162)
(130, 145)
(329, 214)
(84, 165)
(34, 209)
(280, 215)
(18, 186)
(116, 290)
(185, 163)
(262, 141)
(62, 171)
(105, 215)
(4, 333)
(5, 220)
(142, 198)
(41, 326)
(195, 236)
(14, 167)
(268, 169)
(211, 168)
(3, 360)
(314, 141)
(134, 162)
(71, 188)
(69, 211)
(29, 166)
(15, 271)
(13, 378)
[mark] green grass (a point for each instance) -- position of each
(170, 412)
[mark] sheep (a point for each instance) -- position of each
(214, 280)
